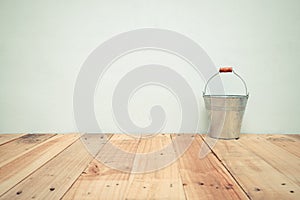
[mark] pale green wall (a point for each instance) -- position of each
(44, 42)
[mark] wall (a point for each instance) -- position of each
(44, 43)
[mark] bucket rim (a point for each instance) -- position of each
(226, 96)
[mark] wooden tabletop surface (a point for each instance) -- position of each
(64, 166)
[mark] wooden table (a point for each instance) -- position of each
(58, 166)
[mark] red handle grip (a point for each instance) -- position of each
(225, 69)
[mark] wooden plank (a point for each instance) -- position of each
(206, 178)
(99, 181)
(117, 155)
(280, 159)
(286, 142)
(54, 178)
(15, 171)
(264, 166)
(4, 138)
(164, 181)
(295, 136)
(21, 145)
(257, 177)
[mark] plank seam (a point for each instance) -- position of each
(227, 169)
(131, 175)
(13, 139)
(11, 159)
(84, 168)
(270, 163)
(178, 166)
(38, 168)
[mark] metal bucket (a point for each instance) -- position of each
(225, 111)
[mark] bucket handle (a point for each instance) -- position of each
(226, 70)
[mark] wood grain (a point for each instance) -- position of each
(99, 181)
(280, 159)
(54, 178)
(4, 138)
(161, 180)
(206, 178)
(287, 142)
(15, 171)
(102, 166)
(253, 172)
(21, 145)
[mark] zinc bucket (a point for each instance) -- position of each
(225, 112)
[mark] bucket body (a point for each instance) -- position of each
(225, 114)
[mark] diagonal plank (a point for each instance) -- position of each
(280, 159)
(206, 178)
(257, 177)
(15, 148)
(117, 155)
(4, 138)
(295, 136)
(54, 178)
(99, 181)
(164, 181)
(286, 142)
(15, 171)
